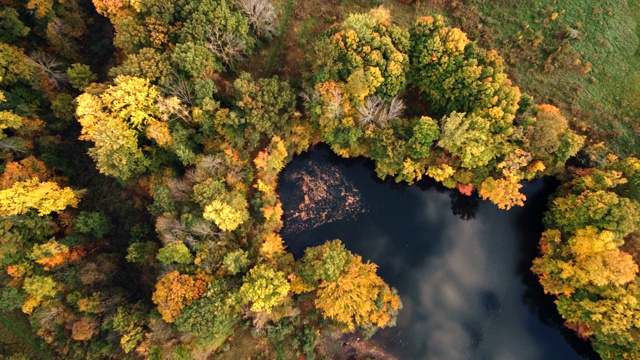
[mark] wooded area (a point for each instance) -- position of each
(142, 140)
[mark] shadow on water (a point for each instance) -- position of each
(460, 265)
(530, 226)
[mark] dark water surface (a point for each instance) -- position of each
(461, 265)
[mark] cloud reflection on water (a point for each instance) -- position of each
(460, 281)
(463, 306)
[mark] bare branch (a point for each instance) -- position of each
(180, 190)
(13, 144)
(211, 165)
(375, 111)
(49, 66)
(179, 87)
(262, 16)
(226, 46)
(370, 111)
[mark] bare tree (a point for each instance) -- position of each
(310, 96)
(262, 16)
(334, 107)
(179, 87)
(211, 165)
(49, 66)
(172, 106)
(226, 46)
(13, 144)
(180, 190)
(376, 111)
(204, 229)
(370, 111)
(391, 112)
(169, 228)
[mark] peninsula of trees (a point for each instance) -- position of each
(141, 143)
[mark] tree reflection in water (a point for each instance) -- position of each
(459, 264)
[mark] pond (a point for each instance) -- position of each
(460, 265)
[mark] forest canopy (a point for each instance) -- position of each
(141, 146)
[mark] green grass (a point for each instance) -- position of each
(606, 97)
(16, 337)
(286, 14)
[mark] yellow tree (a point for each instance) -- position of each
(264, 287)
(504, 192)
(45, 197)
(226, 216)
(113, 120)
(359, 297)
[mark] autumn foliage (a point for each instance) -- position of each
(175, 291)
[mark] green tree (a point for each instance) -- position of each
(11, 298)
(236, 261)
(212, 317)
(94, 223)
(175, 252)
(425, 132)
(214, 25)
(264, 287)
(11, 27)
(80, 76)
(265, 104)
(195, 60)
(131, 34)
(603, 210)
(325, 262)
(148, 63)
(129, 322)
(469, 138)
(455, 75)
(13, 65)
(367, 52)
(39, 288)
(142, 252)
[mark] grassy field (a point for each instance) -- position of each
(581, 55)
(16, 339)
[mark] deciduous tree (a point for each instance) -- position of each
(175, 291)
(45, 197)
(264, 287)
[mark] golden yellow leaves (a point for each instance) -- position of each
(38, 288)
(504, 192)
(114, 8)
(359, 297)
(272, 245)
(264, 288)
(45, 197)
(223, 215)
(598, 259)
(131, 99)
(441, 172)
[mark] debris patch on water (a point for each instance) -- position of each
(320, 194)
